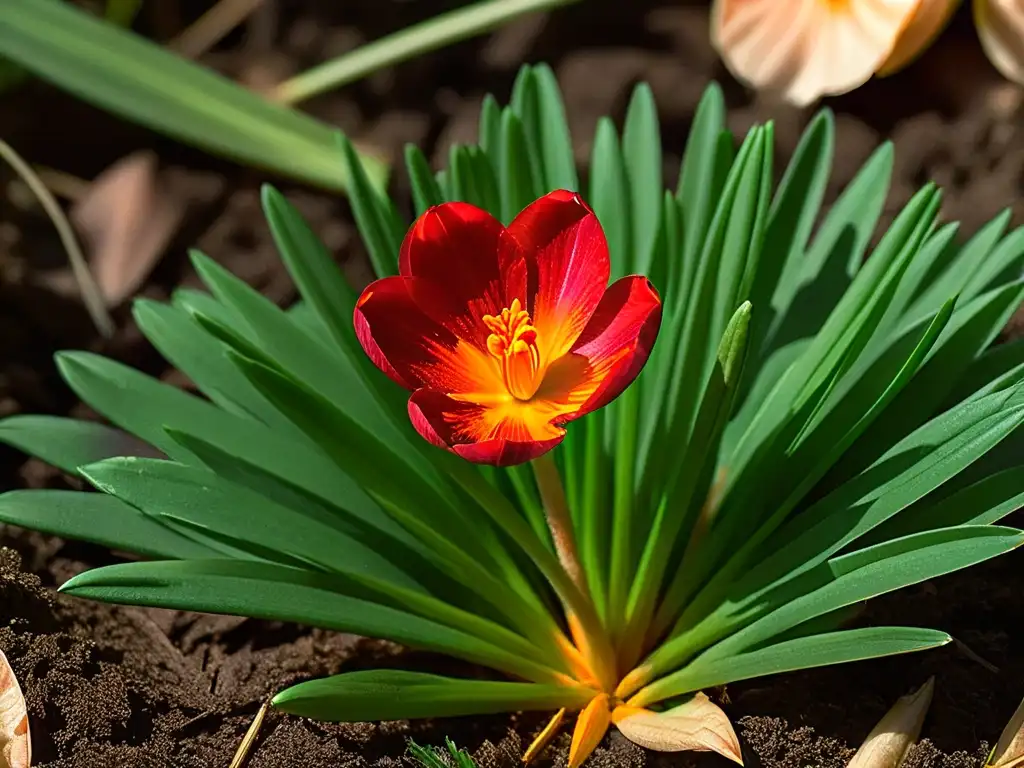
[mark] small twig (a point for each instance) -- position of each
(966, 651)
(212, 26)
(91, 295)
(250, 737)
(63, 184)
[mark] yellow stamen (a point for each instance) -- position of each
(544, 737)
(513, 341)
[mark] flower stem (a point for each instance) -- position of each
(556, 510)
(407, 43)
(585, 626)
(92, 296)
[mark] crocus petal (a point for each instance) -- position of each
(611, 351)
(806, 49)
(922, 29)
(414, 350)
(591, 727)
(465, 268)
(567, 258)
(1000, 26)
(502, 433)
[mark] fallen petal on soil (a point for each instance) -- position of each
(887, 745)
(699, 725)
(15, 744)
(127, 218)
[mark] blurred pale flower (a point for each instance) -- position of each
(806, 49)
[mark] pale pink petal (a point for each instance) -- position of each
(1000, 26)
(923, 28)
(806, 49)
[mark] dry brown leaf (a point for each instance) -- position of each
(1010, 747)
(887, 745)
(15, 744)
(127, 219)
(699, 725)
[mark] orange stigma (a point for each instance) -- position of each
(513, 341)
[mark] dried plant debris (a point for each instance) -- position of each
(127, 217)
(1009, 750)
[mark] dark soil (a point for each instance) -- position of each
(127, 687)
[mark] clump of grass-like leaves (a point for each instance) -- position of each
(816, 425)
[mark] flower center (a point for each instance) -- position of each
(513, 341)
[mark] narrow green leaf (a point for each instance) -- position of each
(670, 417)
(145, 407)
(833, 257)
(460, 176)
(317, 277)
(198, 496)
(341, 379)
(489, 137)
(525, 104)
(556, 143)
(307, 536)
(409, 553)
(700, 179)
(849, 327)
(328, 292)
(485, 181)
(515, 178)
(802, 653)
(202, 358)
(435, 758)
(141, 81)
(983, 502)
(372, 213)
(987, 368)
(741, 236)
(279, 593)
(971, 329)
(196, 301)
(426, 192)
(609, 195)
(595, 506)
(98, 519)
(1003, 265)
(462, 542)
(682, 519)
(870, 572)
(906, 473)
(391, 694)
(852, 409)
(641, 157)
(966, 261)
(935, 249)
(69, 443)
(790, 221)
(362, 454)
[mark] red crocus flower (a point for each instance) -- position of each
(505, 335)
